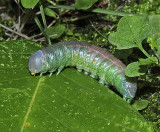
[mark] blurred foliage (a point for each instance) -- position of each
(143, 6)
(152, 112)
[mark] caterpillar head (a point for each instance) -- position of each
(36, 62)
(130, 87)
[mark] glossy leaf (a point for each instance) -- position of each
(56, 31)
(71, 101)
(140, 104)
(155, 24)
(84, 4)
(49, 12)
(135, 69)
(29, 3)
(155, 35)
(140, 67)
(131, 31)
(148, 61)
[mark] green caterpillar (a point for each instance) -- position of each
(90, 58)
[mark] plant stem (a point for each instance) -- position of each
(20, 34)
(103, 11)
(142, 49)
(111, 12)
(45, 25)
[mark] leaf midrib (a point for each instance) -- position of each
(31, 103)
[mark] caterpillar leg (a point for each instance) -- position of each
(80, 70)
(127, 99)
(107, 85)
(50, 74)
(101, 81)
(92, 75)
(86, 73)
(59, 70)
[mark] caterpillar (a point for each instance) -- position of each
(84, 56)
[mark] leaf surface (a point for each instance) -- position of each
(49, 12)
(29, 3)
(131, 31)
(84, 4)
(155, 24)
(71, 101)
(140, 67)
(56, 31)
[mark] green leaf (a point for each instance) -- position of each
(140, 67)
(131, 31)
(69, 32)
(29, 3)
(155, 24)
(152, 43)
(84, 4)
(135, 69)
(47, 38)
(158, 46)
(56, 31)
(49, 12)
(71, 101)
(39, 24)
(140, 104)
(148, 61)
